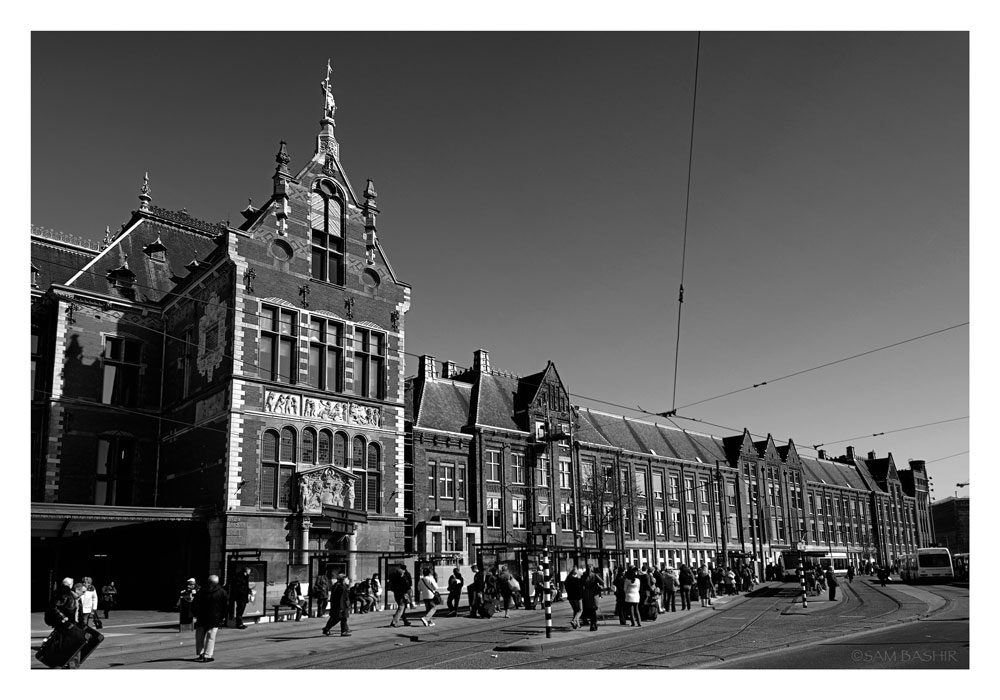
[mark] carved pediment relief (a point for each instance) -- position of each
(326, 485)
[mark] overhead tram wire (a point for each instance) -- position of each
(687, 208)
(888, 432)
(826, 364)
(941, 459)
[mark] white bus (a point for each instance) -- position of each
(928, 564)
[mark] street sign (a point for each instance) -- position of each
(543, 529)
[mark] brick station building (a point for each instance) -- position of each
(205, 394)
(494, 454)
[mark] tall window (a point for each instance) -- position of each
(640, 483)
(675, 487)
(589, 471)
(492, 512)
(431, 479)
(642, 522)
(675, 522)
(565, 474)
(658, 486)
(566, 515)
(661, 522)
(542, 471)
(326, 355)
(703, 485)
(190, 360)
(326, 220)
(692, 525)
(518, 514)
(278, 334)
(492, 458)
(114, 477)
(564, 430)
(453, 538)
(358, 453)
(277, 467)
(339, 449)
(446, 471)
(587, 515)
(369, 363)
(309, 446)
(688, 489)
(36, 360)
(706, 525)
(122, 364)
(517, 467)
(373, 480)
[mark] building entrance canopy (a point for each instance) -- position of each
(62, 519)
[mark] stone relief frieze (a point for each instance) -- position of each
(343, 412)
(211, 337)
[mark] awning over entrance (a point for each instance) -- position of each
(61, 519)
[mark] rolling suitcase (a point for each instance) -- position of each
(62, 645)
(648, 612)
(488, 608)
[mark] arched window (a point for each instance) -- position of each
(276, 468)
(326, 213)
(309, 446)
(340, 450)
(373, 480)
(325, 438)
(358, 454)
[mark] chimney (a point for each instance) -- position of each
(871, 455)
(850, 452)
(426, 367)
(481, 361)
(448, 369)
(822, 454)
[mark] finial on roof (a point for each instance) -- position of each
(326, 142)
(144, 197)
(282, 159)
(331, 106)
(107, 238)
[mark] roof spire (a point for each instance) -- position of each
(144, 197)
(107, 238)
(327, 142)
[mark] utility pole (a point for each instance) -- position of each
(723, 519)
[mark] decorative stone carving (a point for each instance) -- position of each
(211, 337)
(343, 412)
(325, 487)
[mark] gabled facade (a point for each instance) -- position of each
(241, 384)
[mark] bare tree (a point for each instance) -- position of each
(608, 501)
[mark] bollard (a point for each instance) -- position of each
(548, 595)
(802, 582)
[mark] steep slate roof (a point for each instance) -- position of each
(153, 280)
(444, 405)
(57, 262)
(833, 473)
(879, 468)
(651, 438)
(494, 406)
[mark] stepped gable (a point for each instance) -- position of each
(444, 405)
(181, 238)
(57, 260)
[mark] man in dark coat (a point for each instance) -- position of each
(476, 589)
(455, 585)
(593, 587)
(831, 582)
(401, 585)
(340, 606)
(210, 608)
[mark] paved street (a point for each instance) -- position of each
(768, 629)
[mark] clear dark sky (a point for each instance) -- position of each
(533, 193)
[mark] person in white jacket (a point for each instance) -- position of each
(88, 603)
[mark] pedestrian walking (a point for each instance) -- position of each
(686, 580)
(730, 581)
(239, 594)
(632, 587)
(658, 575)
(619, 583)
(88, 605)
(185, 599)
(321, 592)
(429, 595)
(883, 575)
(574, 593)
(831, 582)
(63, 614)
(455, 585)
(850, 573)
(400, 585)
(109, 598)
(210, 607)
(340, 606)
(593, 589)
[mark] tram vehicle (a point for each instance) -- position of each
(809, 560)
(927, 564)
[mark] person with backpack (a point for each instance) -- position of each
(400, 584)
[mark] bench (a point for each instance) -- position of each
(285, 612)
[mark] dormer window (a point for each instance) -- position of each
(156, 251)
(121, 277)
(34, 275)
